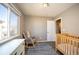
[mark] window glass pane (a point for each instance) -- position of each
(13, 23)
(3, 22)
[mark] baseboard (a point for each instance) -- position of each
(45, 41)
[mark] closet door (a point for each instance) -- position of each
(51, 30)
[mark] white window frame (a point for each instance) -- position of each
(7, 21)
(13, 8)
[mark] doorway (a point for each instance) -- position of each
(58, 26)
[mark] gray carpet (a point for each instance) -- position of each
(42, 49)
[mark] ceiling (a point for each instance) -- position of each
(37, 9)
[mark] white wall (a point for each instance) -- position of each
(70, 20)
(37, 26)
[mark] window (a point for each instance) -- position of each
(3, 22)
(13, 24)
(9, 22)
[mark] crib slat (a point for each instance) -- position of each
(65, 43)
(77, 51)
(69, 44)
(73, 47)
(77, 48)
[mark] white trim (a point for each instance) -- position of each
(12, 7)
(19, 25)
(58, 18)
(3, 41)
(8, 22)
(44, 41)
(15, 9)
(61, 22)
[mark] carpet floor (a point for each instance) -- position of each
(44, 48)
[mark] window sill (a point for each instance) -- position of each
(8, 39)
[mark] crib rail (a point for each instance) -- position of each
(67, 44)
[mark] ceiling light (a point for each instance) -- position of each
(45, 4)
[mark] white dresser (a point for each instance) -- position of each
(13, 47)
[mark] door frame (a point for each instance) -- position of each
(56, 23)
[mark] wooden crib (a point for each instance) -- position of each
(67, 44)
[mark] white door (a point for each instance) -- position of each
(51, 32)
